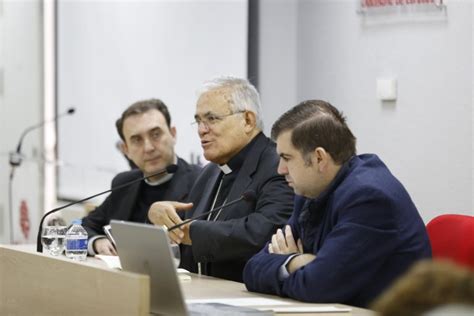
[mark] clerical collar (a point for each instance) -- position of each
(163, 179)
(238, 160)
(225, 169)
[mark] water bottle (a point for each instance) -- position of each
(76, 241)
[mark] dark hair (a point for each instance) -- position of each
(142, 107)
(317, 123)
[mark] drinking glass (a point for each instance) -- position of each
(176, 252)
(53, 239)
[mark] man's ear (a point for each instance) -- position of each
(250, 121)
(124, 148)
(321, 158)
(173, 132)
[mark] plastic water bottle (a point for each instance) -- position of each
(76, 241)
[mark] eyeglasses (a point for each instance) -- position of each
(212, 119)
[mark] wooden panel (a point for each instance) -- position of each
(36, 284)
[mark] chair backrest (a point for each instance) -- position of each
(452, 237)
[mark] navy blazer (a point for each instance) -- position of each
(241, 230)
(120, 203)
(364, 230)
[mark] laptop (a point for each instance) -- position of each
(144, 248)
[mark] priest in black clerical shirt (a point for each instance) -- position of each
(148, 140)
(242, 159)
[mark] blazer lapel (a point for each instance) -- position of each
(178, 188)
(206, 198)
(244, 178)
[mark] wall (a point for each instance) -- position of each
(111, 54)
(426, 136)
(20, 106)
(309, 49)
(278, 61)
(162, 48)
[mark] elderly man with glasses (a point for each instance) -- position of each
(242, 160)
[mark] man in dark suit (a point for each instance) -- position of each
(242, 159)
(148, 140)
(354, 230)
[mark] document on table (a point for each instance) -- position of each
(248, 301)
(113, 262)
(307, 309)
(274, 305)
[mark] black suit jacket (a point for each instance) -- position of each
(241, 230)
(120, 203)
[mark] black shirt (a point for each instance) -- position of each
(149, 194)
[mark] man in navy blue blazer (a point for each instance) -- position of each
(354, 229)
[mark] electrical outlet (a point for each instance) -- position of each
(387, 89)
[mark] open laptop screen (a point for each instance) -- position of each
(145, 249)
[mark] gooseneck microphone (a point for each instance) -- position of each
(15, 157)
(247, 196)
(170, 169)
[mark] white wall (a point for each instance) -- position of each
(20, 106)
(114, 53)
(426, 136)
(309, 49)
(278, 59)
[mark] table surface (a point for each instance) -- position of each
(205, 287)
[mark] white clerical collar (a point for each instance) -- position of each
(160, 180)
(164, 179)
(225, 168)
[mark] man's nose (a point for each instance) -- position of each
(202, 128)
(149, 145)
(282, 169)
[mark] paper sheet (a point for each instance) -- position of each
(248, 301)
(276, 306)
(113, 262)
(307, 309)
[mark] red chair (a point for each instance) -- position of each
(452, 237)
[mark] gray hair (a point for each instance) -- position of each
(244, 95)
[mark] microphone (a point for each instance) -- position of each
(247, 196)
(168, 169)
(16, 157)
